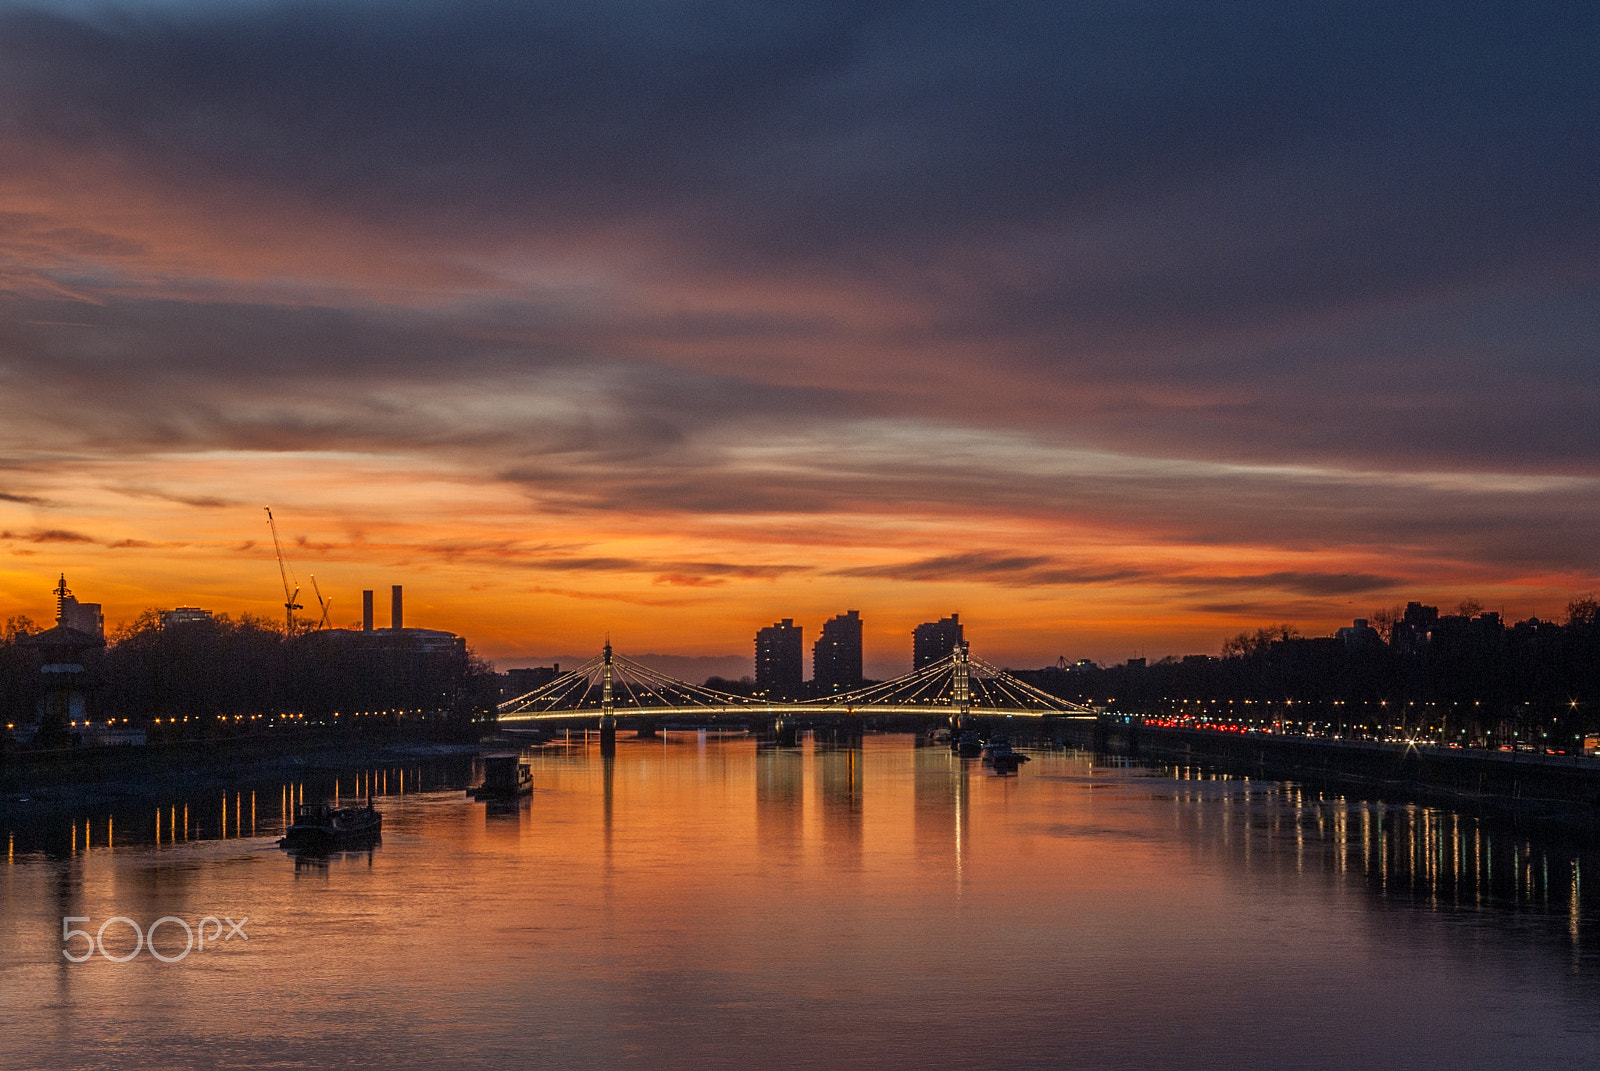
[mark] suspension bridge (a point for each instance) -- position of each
(955, 687)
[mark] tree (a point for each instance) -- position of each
(1583, 612)
(204, 670)
(1384, 620)
(18, 677)
(1257, 642)
(479, 693)
(1469, 607)
(148, 622)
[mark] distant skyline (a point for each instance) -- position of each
(1115, 330)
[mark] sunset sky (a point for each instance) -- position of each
(1115, 327)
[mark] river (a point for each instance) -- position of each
(705, 901)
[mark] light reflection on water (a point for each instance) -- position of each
(250, 810)
(707, 902)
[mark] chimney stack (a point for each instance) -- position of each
(396, 615)
(366, 611)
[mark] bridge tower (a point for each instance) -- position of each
(608, 710)
(962, 699)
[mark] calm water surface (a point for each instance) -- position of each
(705, 902)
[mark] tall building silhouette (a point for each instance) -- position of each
(934, 640)
(836, 656)
(83, 616)
(780, 659)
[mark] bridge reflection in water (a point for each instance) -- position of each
(1219, 921)
(822, 797)
(1399, 851)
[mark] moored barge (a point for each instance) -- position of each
(319, 827)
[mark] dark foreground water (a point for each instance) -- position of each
(707, 903)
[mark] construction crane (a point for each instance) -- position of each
(290, 598)
(326, 604)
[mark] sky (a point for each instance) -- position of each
(1115, 327)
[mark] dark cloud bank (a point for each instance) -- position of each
(1357, 235)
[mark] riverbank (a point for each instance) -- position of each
(1544, 793)
(80, 779)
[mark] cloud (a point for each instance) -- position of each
(48, 535)
(564, 558)
(1297, 582)
(62, 535)
(1258, 611)
(681, 573)
(1283, 300)
(197, 501)
(975, 565)
(689, 580)
(1047, 571)
(606, 596)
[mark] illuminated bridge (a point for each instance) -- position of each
(611, 686)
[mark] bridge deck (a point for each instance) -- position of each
(773, 710)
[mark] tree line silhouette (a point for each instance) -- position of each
(1465, 677)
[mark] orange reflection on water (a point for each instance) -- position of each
(696, 901)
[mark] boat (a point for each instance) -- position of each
(505, 777)
(968, 745)
(320, 827)
(1002, 758)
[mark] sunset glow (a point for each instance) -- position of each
(573, 329)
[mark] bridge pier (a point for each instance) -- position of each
(1052, 731)
(785, 731)
(647, 728)
(849, 729)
